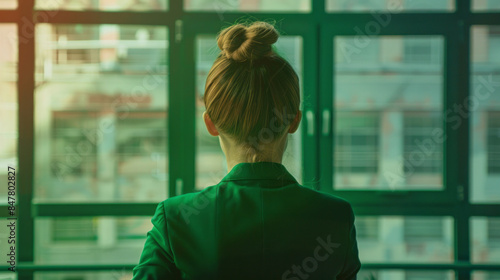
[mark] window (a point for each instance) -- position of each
(119, 274)
(418, 229)
(120, 5)
(485, 275)
(357, 143)
(70, 129)
(8, 4)
(484, 164)
(222, 6)
(485, 5)
(90, 240)
(367, 228)
(64, 229)
(493, 143)
(8, 102)
(419, 232)
(404, 239)
(485, 239)
(388, 96)
(494, 232)
(422, 155)
(393, 274)
(422, 51)
(102, 94)
(389, 6)
(425, 275)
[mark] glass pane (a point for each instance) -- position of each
(484, 104)
(485, 239)
(101, 113)
(211, 165)
(8, 276)
(396, 274)
(8, 4)
(388, 120)
(102, 5)
(8, 103)
(222, 6)
(485, 5)
(121, 274)
(90, 240)
(389, 6)
(405, 239)
(485, 275)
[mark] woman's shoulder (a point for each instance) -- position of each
(187, 204)
(325, 199)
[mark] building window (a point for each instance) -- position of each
(357, 142)
(421, 152)
(367, 228)
(71, 229)
(425, 275)
(494, 233)
(73, 152)
(142, 137)
(420, 229)
(422, 50)
(493, 142)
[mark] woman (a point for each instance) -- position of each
(257, 222)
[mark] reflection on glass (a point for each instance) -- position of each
(116, 274)
(404, 239)
(8, 103)
(211, 164)
(221, 6)
(389, 6)
(484, 104)
(485, 275)
(102, 5)
(485, 239)
(8, 276)
(485, 5)
(396, 274)
(101, 113)
(388, 120)
(90, 240)
(8, 4)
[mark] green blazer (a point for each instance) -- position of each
(256, 223)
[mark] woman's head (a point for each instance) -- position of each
(251, 91)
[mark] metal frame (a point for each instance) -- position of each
(318, 29)
(417, 198)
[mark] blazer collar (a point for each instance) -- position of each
(261, 170)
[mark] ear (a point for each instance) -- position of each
(210, 125)
(295, 123)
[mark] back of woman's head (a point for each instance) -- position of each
(250, 90)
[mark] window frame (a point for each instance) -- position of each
(398, 26)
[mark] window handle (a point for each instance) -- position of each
(310, 123)
(326, 122)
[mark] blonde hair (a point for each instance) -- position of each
(251, 90)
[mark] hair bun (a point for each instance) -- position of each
(248, 43)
